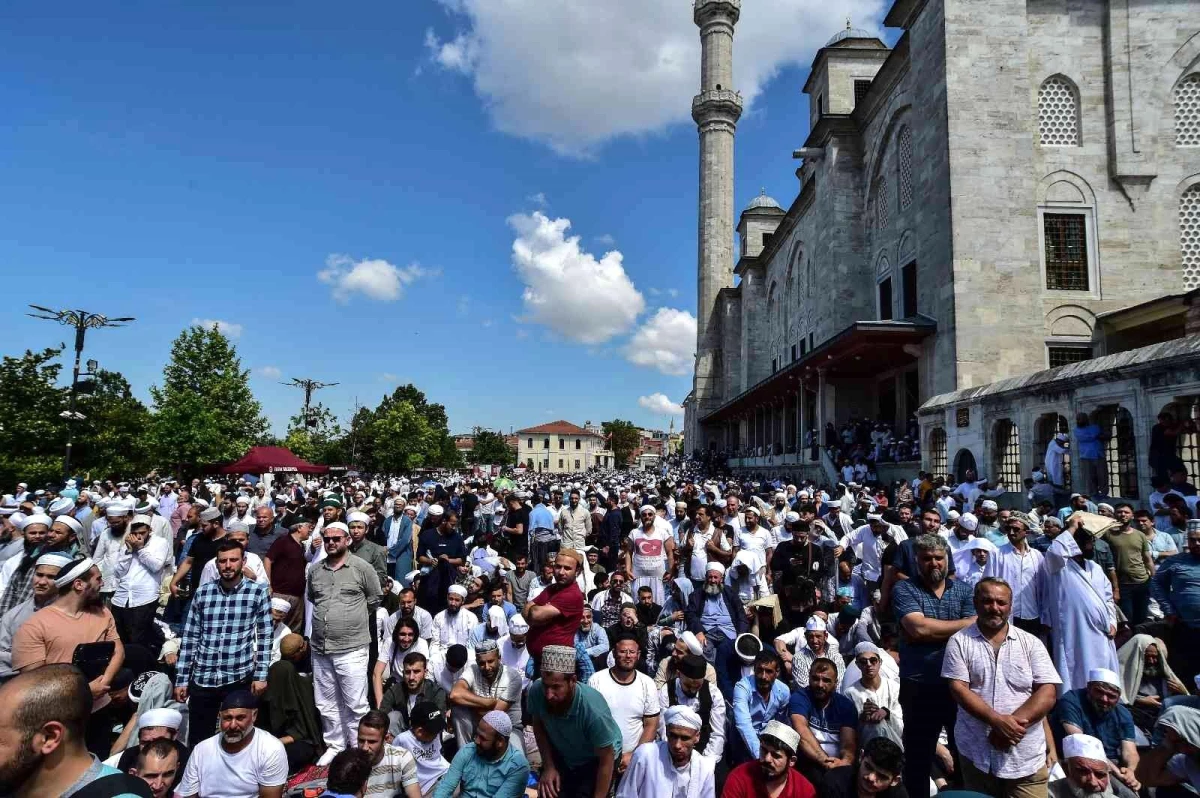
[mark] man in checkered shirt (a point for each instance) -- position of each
(226, 643)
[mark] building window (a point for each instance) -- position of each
(774, 364)
(578, 444)
(562, 444)
(810, 342)
(767, 239)
(529, 462)
(576, 465)
(1044, 430)
(1058, 113)
(793, 353)
(1066, 251)
(861, 87)
(1187, 111)
(560, 462)
(904, 156)
(908, 275)
(529, 443)
(1066, 355)
(820, 105)
(803, 347)
(1120, 454)
(1186, 413)
(885, 299)
(882, 206)
(1007, 454)
(1189, 236)
(545, 443)
(937, 452)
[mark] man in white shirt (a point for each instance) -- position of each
(110, 543)
(138, 574)
(1019, 564)
(240, 761)
(631, 695)
(486, 685)
(453, 625)
(876, 698)
(671, 766)
(873, 537)
(692, 690)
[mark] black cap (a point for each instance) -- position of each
(239, 699)
(693, 666)
(456, 656)
(426, 715)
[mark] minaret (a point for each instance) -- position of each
(716, 110)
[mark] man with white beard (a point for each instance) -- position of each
(452, 626)
(240, 760)
(513, 653)
(671, 767)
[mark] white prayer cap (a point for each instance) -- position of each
(874, 517)
(784, 734)
(458, 590)
(60, 506)
(647, 508)
(968, 521)
(281, 605)
(721, 503)
(500, 721)
(357, 516)
(780, 495)
(339, 526)
(693, 644)
(984, 544)
(242, 499)
(750, 508)
(53, 559)
(517, 625)
(1083, 746)
(715, 566)
(804, 494)
(143, 520)
(39, 518)
(201, 503)
(117, 508)
(162, 716)
(988, 504)
(791, 518)
(680, 715)
(816, 624)
(866, 647)
(1104, 676)
(496, 617)
(436, 510)
(239, 526)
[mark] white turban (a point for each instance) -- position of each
(435, 510)
(162, 716)
(816, 624)
(1083, 746)
(59, 506)
(357, 516)
(497, 620)
(39, 518)
(679, 715)
(66, 577)
(281, 605)
(339, 526)
(692, 642)
(1104, 676)
(68, 521)
(458, 590)
(647, 508)
(715, 566)
(53, 559)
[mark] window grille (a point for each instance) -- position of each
(1045, 429)
(882, 206)
(904, 156)
(1058, 113)
(1187, 111)
(1189, 236)
(1119, 451)
(1008, 454)
(938, 461)
(1066, 355)
(1187, 443)
(1066, 251)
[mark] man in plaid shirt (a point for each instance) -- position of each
(226, 642)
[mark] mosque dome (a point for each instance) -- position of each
(763, 201)
(849, 33)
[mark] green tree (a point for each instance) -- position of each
(623, 438)
(369, 447)
(204, 410)
(320, 440)
(402, 438)
(33, 436)
(491, 449)
(113, 438)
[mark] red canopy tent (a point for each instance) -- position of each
(271, 460)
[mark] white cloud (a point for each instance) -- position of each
(387, 376)
(660, 405)
(538, 199)
(269, 372)
(666, 341)
(567, 289)
(605, 240)
(227, 328)
(672, 292)
(575, 75)
(373, 278)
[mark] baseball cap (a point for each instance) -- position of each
(426, 715)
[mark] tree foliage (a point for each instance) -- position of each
(33, 436)
(318, 441)
(404, 431)
(623, 439)
(490, 448)
(204, 411)
(112, 438)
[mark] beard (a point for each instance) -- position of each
(937, 574)
(17, 771)
(1152, 671)
(712, 590)
(234, 737)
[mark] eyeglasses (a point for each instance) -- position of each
(864, 662)
(337, 539)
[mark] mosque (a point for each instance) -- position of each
(987, 213)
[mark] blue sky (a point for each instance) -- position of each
(343, 187)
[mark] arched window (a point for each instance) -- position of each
(964, 461)
(904, 157)
(1058, 113)
(1120, 454)
(1187, 111)
(883, 207)
(937, 452)
(1186, 413)
(1044, 430)
(1006, 454)
(1189, 236)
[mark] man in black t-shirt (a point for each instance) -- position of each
(203, 549)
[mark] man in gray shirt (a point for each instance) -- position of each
(344, 591)
(518, 581)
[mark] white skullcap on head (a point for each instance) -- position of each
(54, 559)
(721, 503)
(60, 505)
(680, 715)
(281, 605)
(715, 566)
(1104, 676)
(750, 508)
(968, 521)
(791, 518)
(39, 518)
(693, 643)
(866, 647)
(162, 716)
(458, 590)
(144, 520)
(984, 544)
(435, 510)
(784, 734)
(816, 624)
(517, 625)
(647, 508)
(357, 516)
(988, 504)
(500, 721)
(242, 499)
(339, 526)
(1083, 746)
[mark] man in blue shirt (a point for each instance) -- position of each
(543, 534)
(930, 610)
(757, 700)
(716, 616)
(488, 767)
(1176, 588)
(1089, 445)
(826, 721)
(1096, 710)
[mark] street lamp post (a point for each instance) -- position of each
(82, 321)
(309, 387)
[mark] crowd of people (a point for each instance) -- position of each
(685, 635)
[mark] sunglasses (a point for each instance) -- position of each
(337, 539)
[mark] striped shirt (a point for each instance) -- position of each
(227, 635)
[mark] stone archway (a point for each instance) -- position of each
(964, 461)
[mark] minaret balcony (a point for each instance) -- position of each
(717, 103)
(704, 9)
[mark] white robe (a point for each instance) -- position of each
(1079, 609)
(652, 774)
(453, 630)
(1055, 457)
